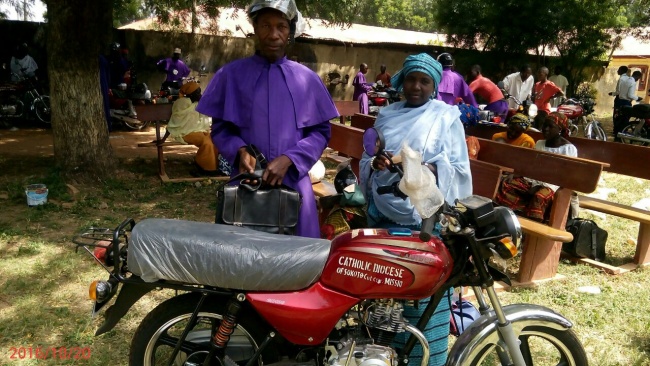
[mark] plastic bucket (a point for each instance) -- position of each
(36, 194)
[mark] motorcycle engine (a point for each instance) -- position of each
(383, 320)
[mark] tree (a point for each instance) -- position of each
(22, 7)
(416, 15)
(77, 30)
(582, 31)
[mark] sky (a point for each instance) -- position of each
(38, 9)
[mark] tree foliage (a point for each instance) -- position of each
(579, 31)
(24, 8)
(416, 15)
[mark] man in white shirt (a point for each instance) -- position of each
(560, 81)
(22, 64)
(519, 85)
(627, 94)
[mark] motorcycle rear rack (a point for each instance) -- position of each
(106, 238)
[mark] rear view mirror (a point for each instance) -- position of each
(373, 142)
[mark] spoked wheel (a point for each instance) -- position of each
(594, 131)
(540, 345)
(42, 109)
(134, 124)
(629, 129)
(156, 337)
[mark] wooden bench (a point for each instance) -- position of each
(160, 113)
(543, 242)
(622, 159)
(362, 121)
(346, 108)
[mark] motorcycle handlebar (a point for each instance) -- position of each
(427, 228)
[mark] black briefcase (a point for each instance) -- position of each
(588, 239)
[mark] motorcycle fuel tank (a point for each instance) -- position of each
(393, 263)
(570, 110)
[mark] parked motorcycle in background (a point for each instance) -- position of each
(169, 90)
(580, 113)
(316, 302)
(381, 96)
(637, 131)
(123, 99)
(22, 101)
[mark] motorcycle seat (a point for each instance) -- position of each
(224, 256)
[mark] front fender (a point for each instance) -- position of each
(485, 329)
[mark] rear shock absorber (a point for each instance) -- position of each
(221, 335)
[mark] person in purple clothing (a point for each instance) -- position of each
(175, 69)
(452, 86)
(278, 105)
(361, 89)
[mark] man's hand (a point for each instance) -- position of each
(276, 170)
(247, 165)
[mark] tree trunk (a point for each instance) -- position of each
(77, 30)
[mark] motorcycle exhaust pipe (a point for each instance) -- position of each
(627, 136)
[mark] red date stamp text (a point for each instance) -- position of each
(47, 353)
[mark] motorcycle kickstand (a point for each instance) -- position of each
(261, 348)
(190, 324)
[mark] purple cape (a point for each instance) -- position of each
(453, 86)
(284, 109)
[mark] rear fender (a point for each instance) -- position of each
(485, 328)
(128, 295)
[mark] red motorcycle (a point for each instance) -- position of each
(580, 113)
(252, 298)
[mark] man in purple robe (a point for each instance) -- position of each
(174, 68)
(453, 88)
(280, 106)
(361, 89)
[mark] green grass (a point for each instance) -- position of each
(44, 283)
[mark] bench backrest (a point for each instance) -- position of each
(622, 158)
(153, 112)
(346, 108)
(486, 177)
(347, 141)
(362, 121)
(576, 174)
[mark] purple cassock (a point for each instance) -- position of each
(175, 70)
(452, 86)
(283, 108)
(361, 92)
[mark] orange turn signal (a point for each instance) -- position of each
(508, 244)
(92, 291)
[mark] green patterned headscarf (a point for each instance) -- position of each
(421, 63)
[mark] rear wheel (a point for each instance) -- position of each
(540, 345)
(155, 339)
(42, 109)
(629, 129)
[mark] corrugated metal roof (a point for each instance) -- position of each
(234, 22)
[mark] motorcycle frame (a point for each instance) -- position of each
(133, 288)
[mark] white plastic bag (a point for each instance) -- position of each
(419, 183)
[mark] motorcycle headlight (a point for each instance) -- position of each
(532, 110)
(506, 222)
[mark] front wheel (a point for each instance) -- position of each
(540, 345)
(154, 340)
(42, 109)
(595, 132)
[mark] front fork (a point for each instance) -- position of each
(504, 327)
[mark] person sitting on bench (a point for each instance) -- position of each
(515, 135)
(188, 126)
(532, 198)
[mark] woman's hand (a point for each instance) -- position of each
(381, 162)
(276, 170)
